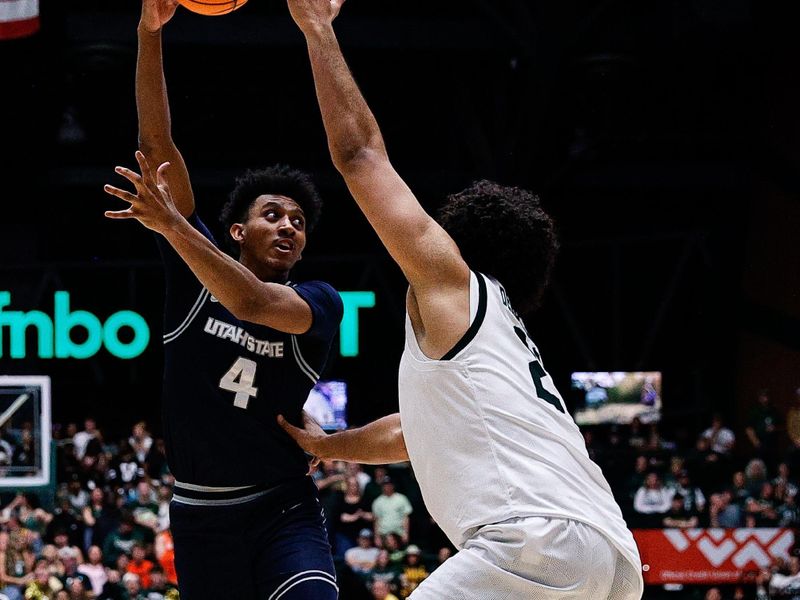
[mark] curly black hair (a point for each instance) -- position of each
(504, 232)
(277, 180)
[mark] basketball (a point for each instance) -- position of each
(212, 7)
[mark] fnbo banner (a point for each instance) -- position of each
(54, 335)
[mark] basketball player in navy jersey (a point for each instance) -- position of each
(502, 467)
(242, 344)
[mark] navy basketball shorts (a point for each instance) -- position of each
(271, 547)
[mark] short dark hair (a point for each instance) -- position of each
(278, 180)
(504, 232)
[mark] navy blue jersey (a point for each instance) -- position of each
(226, 380)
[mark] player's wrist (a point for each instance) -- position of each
(147, 30)
(317, 31)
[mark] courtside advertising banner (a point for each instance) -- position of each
(18, 18)
(709, 556)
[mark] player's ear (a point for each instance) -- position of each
(237, 232)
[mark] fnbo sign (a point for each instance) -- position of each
(54, 334)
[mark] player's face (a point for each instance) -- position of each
(275, 232)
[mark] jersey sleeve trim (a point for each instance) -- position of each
(476, 324)
(301, 362)
(195, 310)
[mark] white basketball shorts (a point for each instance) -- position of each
(534, 559)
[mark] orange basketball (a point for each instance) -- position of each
(212, 7)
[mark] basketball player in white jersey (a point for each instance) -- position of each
(502, 467)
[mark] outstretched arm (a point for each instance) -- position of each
(152, 105)
(377, 443)
(429, 258)
(234, 285)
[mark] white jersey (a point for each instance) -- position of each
(489, 437)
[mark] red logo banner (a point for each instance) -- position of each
(709, 555)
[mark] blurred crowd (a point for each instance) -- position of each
(106, 534)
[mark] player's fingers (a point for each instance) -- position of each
(120, 214)
(147, 172)
(290, 429)
(121, 194)
(161, 179)
(131, 176)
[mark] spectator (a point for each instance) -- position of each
(90, 513)
(78, 497)
(121, 540)
(678, 517)
(94, 570)
(441, 557)
(81, 440)
(155, 464)
(393, 545)
(636, 480)
(354, 515)
(50, 554)
(380, 591)
(164, 496)
(414, 571)
(15, 565)
(362, 558)
(755, 474)
(140, 441)
(25, 507)
(165, 555)
(77, 589)
(373, 489)
(133, 587)
(652, 497)
(738, 489)
(355, 470)
(636, 435)
(70, 559)
(143, 499)
(781, 585)
(763, 507)
(44, 585)
(391, 511)
(694, 500)
(785, 478)
(385, 571)
(63, 546)
(64, 522)
(762, 426)
(160, 588)
(713, 594)
(721, 439)
(724, 513)
(788, 512)
(139, 565)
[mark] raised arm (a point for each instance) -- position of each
(152, 105)
(429, 258)
(234, 285)
(377, 443)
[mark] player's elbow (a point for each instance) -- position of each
(155, 144)
(349, 159)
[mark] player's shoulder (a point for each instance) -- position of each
(320, 292)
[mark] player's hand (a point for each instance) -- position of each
(311, 438)
(155, 13)
(311, 14)
(152, 204)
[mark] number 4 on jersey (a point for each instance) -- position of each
(239, 379)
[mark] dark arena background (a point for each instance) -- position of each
(662, 137)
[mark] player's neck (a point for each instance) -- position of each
(263, 271)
